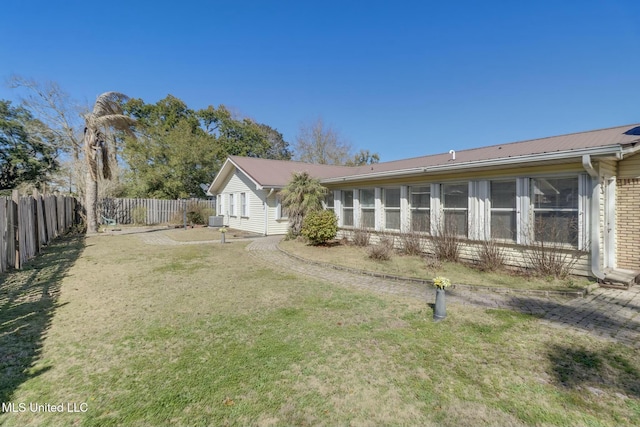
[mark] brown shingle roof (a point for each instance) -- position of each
(621, 135)
(277, 173)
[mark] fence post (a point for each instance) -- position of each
(4, 224)
(184, 217)
(15, 199)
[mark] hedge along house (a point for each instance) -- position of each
(578, 193)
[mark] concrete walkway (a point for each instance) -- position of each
(608, 313)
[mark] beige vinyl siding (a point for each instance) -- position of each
(515, 256)
(629, 168)
(276, 226)
(238, 183)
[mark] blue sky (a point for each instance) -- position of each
(399, 78)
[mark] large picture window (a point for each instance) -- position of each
(555, 208)
(347, 208)
(420, 205)
(392, 208)
(455, 203)
(367, 208)
(503, 210)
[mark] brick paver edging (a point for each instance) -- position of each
(533, 292)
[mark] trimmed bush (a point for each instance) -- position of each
(320, 226)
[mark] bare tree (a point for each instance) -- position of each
(106, 115)
(56, 109)
(320, 143)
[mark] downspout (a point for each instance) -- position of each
(595, 216)
(266, 213)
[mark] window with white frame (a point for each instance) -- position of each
(329, 202)
(503, 210)
(391, 197)
(281, 212)
(232, 204)
(347, 208)
(243, 205)
(420, 206)
(455, 206)
(555, 210)
(367, 208)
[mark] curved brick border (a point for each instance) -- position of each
(610, 314)
(533, 292)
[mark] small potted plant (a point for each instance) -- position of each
(223, 232)
(441, 283)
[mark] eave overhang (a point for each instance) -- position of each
(610, 150)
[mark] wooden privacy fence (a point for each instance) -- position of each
(28, 223)
(148, 211)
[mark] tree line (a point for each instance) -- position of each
(126, 147)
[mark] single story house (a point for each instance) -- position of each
(580, 192)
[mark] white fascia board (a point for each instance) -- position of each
(598, 151)
(227, 169)
(219, 176)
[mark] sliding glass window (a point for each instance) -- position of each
(391, 208)
(455, 206)
(367, 208)
(503, 210)
(347, 208)
(420, 199)
(555, 208)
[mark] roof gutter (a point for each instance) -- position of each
(595, 216)
(598, 151)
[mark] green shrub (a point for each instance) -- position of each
(320, 226)
(198, 213)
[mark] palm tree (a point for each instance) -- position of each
(302, 195)
(106, 115)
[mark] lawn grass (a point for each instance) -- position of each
(414, 266)
(207, 335)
